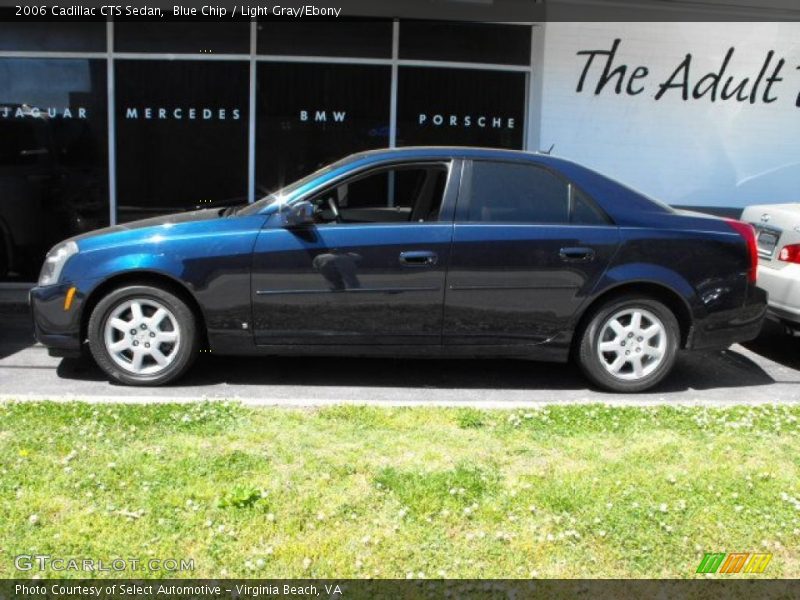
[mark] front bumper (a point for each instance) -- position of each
(721, 329)
(54, 326)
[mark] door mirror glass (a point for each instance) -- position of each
(299, 213)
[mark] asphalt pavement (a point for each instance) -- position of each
(766, 370)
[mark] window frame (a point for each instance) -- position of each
(453, 166)
(465, 197)
(415, 30)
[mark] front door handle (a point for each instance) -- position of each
(418, 258)
(576, 254)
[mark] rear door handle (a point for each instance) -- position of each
(418, 258)
(576, 254)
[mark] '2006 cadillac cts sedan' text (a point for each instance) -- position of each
(420, 252)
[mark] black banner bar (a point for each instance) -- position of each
(402, 589)
(508, 11)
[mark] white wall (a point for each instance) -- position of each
(698, 152)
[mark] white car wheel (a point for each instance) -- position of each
(142, 336)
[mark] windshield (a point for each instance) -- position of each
(287, 191)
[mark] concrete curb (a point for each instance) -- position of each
(324, 402)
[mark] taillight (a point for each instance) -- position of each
(749, 234)
(790, 253)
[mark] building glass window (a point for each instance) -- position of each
(17, 35)
(181, 135)
(461, 107)
(466, 42)
(352, 37)
(53, 157)
(181, 123)
(311, 114)
(183, 37)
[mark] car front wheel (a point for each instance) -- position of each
(143, 335)
(629, 345)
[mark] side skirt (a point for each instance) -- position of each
(550, 352)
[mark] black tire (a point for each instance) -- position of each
(593, 362)
(181, 319)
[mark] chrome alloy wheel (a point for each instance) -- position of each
(142, 336)
(632, 344)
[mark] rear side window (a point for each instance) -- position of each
(583, 211)
(518, 193)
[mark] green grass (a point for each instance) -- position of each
(575, 491)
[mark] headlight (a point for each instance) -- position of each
(55, 261)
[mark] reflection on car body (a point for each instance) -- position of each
(340, 269)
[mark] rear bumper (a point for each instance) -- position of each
(53, 326)
(783, 286)
(720, 330)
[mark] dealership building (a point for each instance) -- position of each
(103, 122)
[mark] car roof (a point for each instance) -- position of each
(468, 152)
(446, 151)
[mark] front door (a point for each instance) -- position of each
(370, 270)
(528, 247)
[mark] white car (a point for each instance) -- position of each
(778, 236)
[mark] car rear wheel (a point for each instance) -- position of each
(630, 344)
(143, 335)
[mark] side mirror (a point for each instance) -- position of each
(300, 213)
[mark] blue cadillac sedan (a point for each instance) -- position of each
(421, 252)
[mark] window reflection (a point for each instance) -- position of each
(460, 107)
(53, 36)
(181, 135)
(53, 157)
(309, 115)
(466, 42)
(351, 37)
(191, 37)
(182, 125)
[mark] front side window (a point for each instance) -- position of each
(520, 193)
(403, 194)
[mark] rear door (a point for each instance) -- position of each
(528, 247)
(370, 270)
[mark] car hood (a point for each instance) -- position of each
(204, 214)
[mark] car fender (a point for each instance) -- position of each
(99, 266)
(619, 276)
(213, 269)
